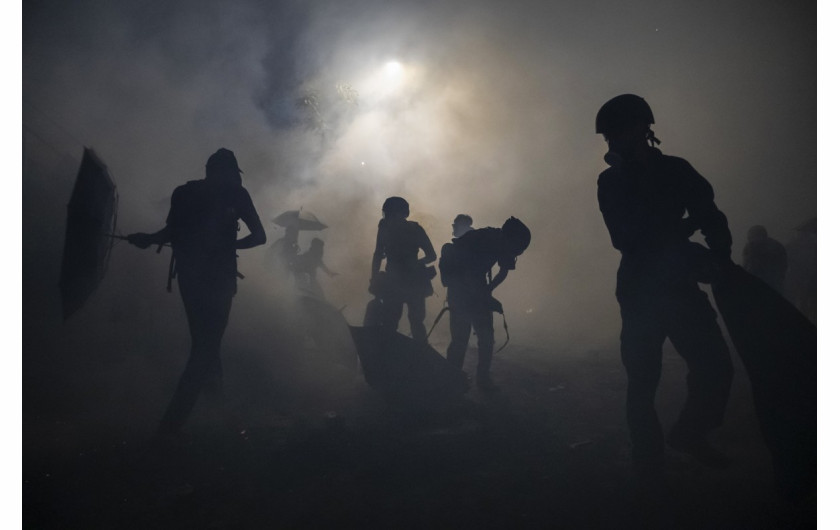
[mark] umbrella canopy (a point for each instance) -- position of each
(406, 369)
(91, 215)
(300, 219)
(778, 347)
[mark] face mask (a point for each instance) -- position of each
(613, 159)
(616, 154)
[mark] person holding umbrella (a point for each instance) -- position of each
(202, 227)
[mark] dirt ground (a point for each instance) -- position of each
(296, 450)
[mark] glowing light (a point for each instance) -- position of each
(393, 68)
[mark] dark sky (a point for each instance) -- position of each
(490, 112)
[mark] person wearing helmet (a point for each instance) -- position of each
(765, 257)
(466, 269)
(644, 198)
(407, 278)
(202, 227)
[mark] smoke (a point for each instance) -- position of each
(485, 108)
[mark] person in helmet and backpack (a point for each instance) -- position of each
(202, 227)
(407, 279)
(467, 272)
(651, 204)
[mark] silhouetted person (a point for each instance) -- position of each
(466, 270)
(802, 269)
(765, 257)
(202, 227)
(643, 198)
(398, 242)
(306, 267)
(461, 225)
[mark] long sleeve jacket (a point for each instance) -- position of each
(644, 207)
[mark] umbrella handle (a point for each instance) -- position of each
(125, 238)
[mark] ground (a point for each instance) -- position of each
(548, 450)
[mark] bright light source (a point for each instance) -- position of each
(393, 68)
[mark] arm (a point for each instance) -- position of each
(499, 278)
(164, 235)
(252, 221)
(429, 255)
(323, 266)
(700, 203)
(144, 240)
(378, 253)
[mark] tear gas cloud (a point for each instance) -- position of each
(485, 108)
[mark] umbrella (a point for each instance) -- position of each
(778, 346)
(91, 216)
(407, 369)
(300, 219)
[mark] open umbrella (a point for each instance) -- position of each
(300, 219)
(91, 217)
(406, 369)
(778, 347)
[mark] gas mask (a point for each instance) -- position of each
(621, 149)
(618, 151)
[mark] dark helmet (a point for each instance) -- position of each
(518, 234)
(223, 159)
(622, 112)
(222, 165)
(756, 232)
(395, 206)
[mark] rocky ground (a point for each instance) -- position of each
(549, 450)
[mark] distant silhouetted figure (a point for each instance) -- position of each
(461, 225)
(407, 279)
(202, 226)
(643, 198)
(802, 269)
(306, 267)
(466, 270)
(765, 257)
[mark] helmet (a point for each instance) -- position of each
(223, 159)
(395, 206)
(621, 112)
(517, 233)
(756, 232)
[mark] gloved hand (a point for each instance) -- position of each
(140, 239)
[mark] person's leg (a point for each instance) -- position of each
(693, 329)
(459, 330)
(392, 308)
(641, 353)
(416, 316)
(207, 314)
(482, 320)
